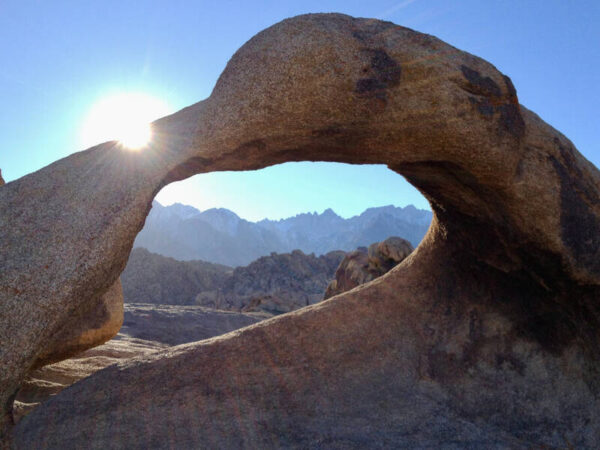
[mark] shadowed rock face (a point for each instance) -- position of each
(92, 327)
(485, 336)
(364, 265)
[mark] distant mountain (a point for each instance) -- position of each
(220, 236)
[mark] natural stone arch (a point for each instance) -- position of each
(496, 306)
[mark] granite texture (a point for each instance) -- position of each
(365, 264)
(93, 327)
(146, 328)
(486, 336)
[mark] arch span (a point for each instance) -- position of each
(490, 321)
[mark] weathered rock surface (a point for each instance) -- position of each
(1, 179)
(47, 381)
(485, 337)
(364, 265)
(275, 284)
(146, 328)
(89, 329)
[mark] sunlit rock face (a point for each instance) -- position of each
(146, 329)
(485, 336)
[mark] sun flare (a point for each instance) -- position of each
(123, 117)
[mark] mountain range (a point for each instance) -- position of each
(220, 236)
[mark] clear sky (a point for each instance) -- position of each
(58, 59)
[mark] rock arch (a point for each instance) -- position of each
(487, 334)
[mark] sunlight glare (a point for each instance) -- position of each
(123, 117)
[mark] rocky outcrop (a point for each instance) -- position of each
(45, 382)
(152, 278)
(83, 331)
(486, 336)
(364, 265)
(146, 329)
(275, 284)
(91, 328)
(1, 179)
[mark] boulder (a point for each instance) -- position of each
(277, 283)
(364, 265)
(352, 271)
(486, 336)
(385, 255)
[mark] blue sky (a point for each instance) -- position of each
(59, 58)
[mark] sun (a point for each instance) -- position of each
(123, 117)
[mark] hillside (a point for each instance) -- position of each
(276, 283)
(152, 278)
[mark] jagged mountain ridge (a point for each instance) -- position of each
(218, 235)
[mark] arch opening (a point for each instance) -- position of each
(200, 271)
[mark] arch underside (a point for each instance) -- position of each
(486, 335)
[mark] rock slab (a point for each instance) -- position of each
(147, 328)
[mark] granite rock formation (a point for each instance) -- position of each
(364, 265)
(275, 284)
(293, 279)
(89, 329)
(146, 329)
(1, 179)
(45, 382)
(486, 336)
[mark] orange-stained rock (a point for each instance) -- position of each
(485, 336)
